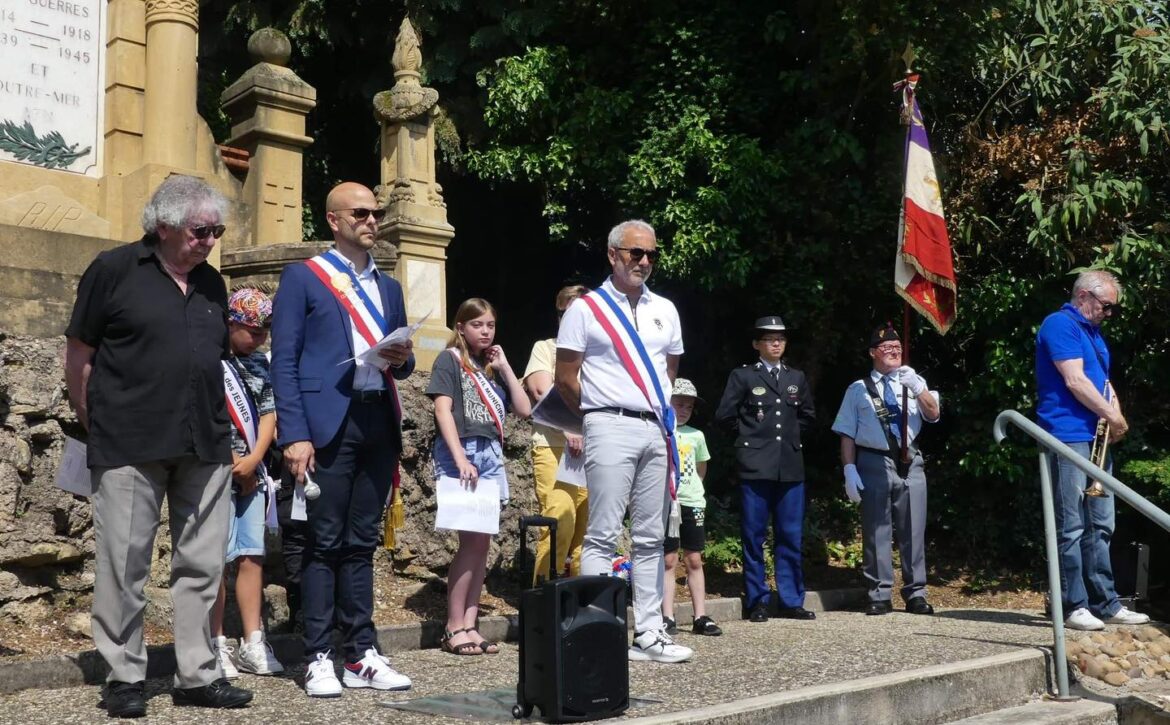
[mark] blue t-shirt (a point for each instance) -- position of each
(1067, 335)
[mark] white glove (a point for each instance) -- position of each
(853, 484)
(912, 380)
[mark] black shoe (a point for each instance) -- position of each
(670, 625)
(795, 613)
(876, 608)
(705, 625)
(919, 605)
(124, 699)
(759, 613)
(218, 694)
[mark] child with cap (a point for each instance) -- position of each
(252, 411)
(693, 457)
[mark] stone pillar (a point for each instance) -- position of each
(267, 107)
(172, 38)
(125, 86)
(416, 219)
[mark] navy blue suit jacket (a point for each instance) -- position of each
(311, 339)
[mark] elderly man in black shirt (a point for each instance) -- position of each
(143, 366)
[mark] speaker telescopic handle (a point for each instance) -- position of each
(540, 521)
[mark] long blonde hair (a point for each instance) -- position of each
(468, 310)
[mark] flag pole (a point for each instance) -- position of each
(908, 57)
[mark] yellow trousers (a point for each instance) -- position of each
(566, 503)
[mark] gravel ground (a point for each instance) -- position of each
(749, 660)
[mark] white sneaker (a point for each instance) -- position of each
(1083, 619)
(374, 670)
(223, 653)
(320, 679)
(256, 656)
(1125, 616)
(657, 646)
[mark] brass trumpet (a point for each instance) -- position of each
(1100, 447)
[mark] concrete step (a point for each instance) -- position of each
(939, 693)
(1049, 712)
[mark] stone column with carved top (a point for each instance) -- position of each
(172, 41)
(416, 219)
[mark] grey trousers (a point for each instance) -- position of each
(892, 507)
(625, 469)
(126, 506)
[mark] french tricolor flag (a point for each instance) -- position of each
(924, 271)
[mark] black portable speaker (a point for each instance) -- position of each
(573, 660)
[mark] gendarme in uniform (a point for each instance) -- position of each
(770, 404)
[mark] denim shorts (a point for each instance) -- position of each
(246, 531)
(484, 453)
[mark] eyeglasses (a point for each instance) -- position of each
(361, 214)
(636, 254)
(773, 340)
(1106, 307)
(208, 230)
(889, 349)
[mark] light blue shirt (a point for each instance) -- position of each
(857, 418)
(365, 377)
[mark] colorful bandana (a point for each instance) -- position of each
(251, 307)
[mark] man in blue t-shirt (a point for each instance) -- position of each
(1073, 392)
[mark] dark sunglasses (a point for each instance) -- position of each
(360, 214)
(1108, 308)
(636, 254)
(208, 230)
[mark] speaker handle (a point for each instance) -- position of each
(540, 521)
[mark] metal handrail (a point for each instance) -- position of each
(1049, 445)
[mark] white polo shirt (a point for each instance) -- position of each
(604, 380)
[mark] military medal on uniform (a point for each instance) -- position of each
(759, 403)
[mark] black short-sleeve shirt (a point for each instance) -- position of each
(471, 414)
(156, 387)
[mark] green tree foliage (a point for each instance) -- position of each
(762, 140)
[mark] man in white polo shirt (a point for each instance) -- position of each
(617, 352)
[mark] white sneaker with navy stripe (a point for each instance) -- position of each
(374, 670)
(320, 679)
(657, 646)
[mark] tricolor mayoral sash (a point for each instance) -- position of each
(343, 284)
(242, 410)
(636, 360)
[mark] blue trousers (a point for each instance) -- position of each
(781, 502)
(355, 474)
(1084, 528)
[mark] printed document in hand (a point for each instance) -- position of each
(73, 475)
(402, 334)
(468, 508)
(571, 469)
(552, 411)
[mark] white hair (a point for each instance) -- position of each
(1095, 281)
(617, 233)
(179, 198)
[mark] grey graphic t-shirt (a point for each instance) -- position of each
(472, 417)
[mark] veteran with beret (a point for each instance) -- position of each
(891, 490)
(770, 405)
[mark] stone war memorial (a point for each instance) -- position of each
(97, 107)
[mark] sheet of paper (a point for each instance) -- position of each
(468, 509)
(402, 334)
(552, 411)
(571, 469)
(73, 475)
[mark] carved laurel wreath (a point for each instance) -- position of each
(49, 151)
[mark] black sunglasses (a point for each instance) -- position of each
(636, 254)
(1108, 308)
(208, 230)
(361, 214)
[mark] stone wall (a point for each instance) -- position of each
(46, 534)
